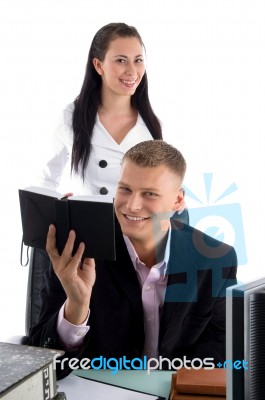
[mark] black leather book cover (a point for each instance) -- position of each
(92, 220)
(37, 213)
(93, 223)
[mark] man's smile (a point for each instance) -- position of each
(134, 218)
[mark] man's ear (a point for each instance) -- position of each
(180, 201)
(97, 65)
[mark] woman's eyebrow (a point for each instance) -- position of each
(122, 55)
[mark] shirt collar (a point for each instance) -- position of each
(135, 258)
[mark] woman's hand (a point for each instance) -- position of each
(77, 277)
(68, 194)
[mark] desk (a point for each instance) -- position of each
(157, 383)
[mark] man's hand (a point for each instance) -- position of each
(77, 279)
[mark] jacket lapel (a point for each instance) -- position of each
(182, 276)
(124, 274)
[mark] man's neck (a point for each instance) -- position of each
(150, 253)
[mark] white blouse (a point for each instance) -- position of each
(103, 168)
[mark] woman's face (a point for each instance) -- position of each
(123, 66)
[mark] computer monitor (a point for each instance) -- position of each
(245, 341)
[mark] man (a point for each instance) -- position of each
(164, 294)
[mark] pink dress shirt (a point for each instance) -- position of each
(153, 282)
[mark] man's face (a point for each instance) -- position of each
(141, 194)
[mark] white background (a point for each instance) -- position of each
(206, 71)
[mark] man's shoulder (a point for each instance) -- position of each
(189, 232)
(199, 243)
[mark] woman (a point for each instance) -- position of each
(111, 114)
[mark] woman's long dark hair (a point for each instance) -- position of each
(89, 99)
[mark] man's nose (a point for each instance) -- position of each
(134, 203)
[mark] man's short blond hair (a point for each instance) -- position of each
(153, 153)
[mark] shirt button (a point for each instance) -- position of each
(103, 163)
(103, 190)
(148, 288)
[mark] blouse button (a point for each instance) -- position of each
(103, 190)
(103, 163)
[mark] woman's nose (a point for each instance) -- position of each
(130, 70)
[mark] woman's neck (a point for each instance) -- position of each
(115, 105)
(117, 115)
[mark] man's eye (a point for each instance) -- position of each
(124, 189)
(150, 194)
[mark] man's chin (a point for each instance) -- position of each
(132, 232)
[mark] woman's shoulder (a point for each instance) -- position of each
(68, 114)
(63, 126)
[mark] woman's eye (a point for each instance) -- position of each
(139, 61)
(121, 60)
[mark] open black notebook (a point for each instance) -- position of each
(92, 218)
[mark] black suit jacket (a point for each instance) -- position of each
(200, 268)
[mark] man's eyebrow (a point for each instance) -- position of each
(146, 189)
(150, 189)
(123, 183)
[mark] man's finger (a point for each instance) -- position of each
(68, 248)
(51, 243)
(89, 262)
(76, 259)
